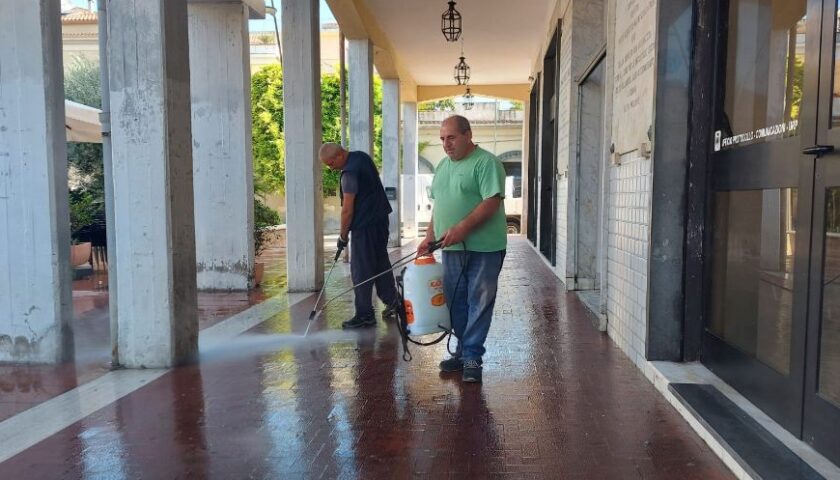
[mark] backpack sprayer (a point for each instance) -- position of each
(422, 309)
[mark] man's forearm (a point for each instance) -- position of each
(346, 219)
(348, 203)
(430, 230)
(480, 214)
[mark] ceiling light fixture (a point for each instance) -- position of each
(450, 23)
(462, 70)
(469, 100)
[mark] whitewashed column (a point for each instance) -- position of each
(153, 184)
(391, 154)
(360, 59)
(410, 159)
(302, 111)
(35, 298)
(223, 178)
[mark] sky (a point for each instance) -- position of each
(257, 25)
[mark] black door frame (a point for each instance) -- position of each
(532, 160)
(821, 419)
(548, 150)
(767, 165)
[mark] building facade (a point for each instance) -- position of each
(681, 176)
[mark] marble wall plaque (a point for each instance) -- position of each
(635, 49)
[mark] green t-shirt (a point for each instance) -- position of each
(458, 187)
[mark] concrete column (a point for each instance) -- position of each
(360, 55)
(153, 185)
(410, 159)
(220, 86)
(302, 112)
(391, 154)
(35, 298)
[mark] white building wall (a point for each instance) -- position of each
(628, 111)
(565, 107)
(581, 38)
(627, 254)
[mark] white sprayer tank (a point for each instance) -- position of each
(425, 305)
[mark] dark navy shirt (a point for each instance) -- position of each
(360, 177)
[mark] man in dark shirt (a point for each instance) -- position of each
(364, 212)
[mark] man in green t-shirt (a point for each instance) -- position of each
(469, 218)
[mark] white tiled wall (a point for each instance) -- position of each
(627, 256)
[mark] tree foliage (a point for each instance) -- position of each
(268, 133)
(268, 147)
(442, 105)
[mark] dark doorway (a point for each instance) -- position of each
(548, 154)
(533, 151)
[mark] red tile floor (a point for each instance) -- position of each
(559, 400)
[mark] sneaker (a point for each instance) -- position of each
(453, 364)
(472, 371)
(359, 322)
(390, 312)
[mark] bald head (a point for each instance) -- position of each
(333, 155)
(329, 149)
(456, 137)
(459, 122)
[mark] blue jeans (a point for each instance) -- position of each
(469, 284)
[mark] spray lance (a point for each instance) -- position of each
(422, 308)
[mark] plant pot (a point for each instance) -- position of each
(259, 269)
(79, 254)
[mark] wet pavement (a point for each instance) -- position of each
(559, 400)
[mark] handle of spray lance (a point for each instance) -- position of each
(342, 244)
(436, 245)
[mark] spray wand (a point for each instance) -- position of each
(399, 263)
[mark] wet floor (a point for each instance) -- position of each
(559, 400)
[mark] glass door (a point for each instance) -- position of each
(821, 410)
(773, 292)
(765, 110)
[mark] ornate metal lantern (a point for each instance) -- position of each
(469, 101)
(450, 23)
(462, 72)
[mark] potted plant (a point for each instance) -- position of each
(264, 217)
(83, 211)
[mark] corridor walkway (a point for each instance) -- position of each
(559, 400)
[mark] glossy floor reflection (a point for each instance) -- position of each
(559, 401)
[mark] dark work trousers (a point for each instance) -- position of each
(368, 257)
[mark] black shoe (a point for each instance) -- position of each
(359, 322)
(472, 372)
(390, 312)
(453, 364)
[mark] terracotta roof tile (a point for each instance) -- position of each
(79, 16)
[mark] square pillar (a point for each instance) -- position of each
(391, 155)
(410, 159)
(35, 275)
(360, 59)
(148, 55)
(302, 124)
(223, 178)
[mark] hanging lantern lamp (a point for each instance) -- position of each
(469, 101)
(450, 23)
(462, 72)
